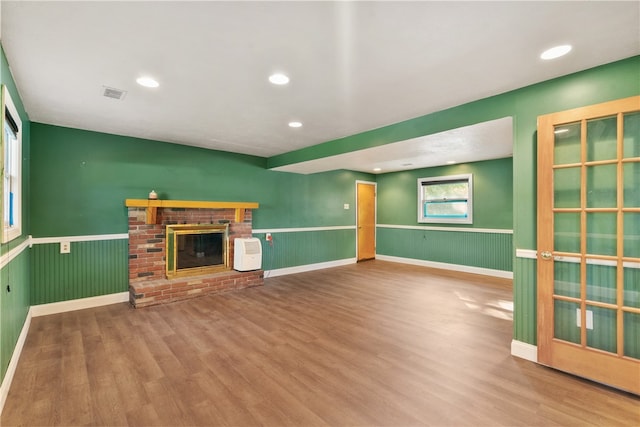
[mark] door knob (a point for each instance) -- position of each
(546, 255)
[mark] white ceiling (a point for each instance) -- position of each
(354, 66)
(483, 141)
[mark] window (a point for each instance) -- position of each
(446, 199)
(11, 169)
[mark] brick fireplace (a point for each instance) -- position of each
(148, 281)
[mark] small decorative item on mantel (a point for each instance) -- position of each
(153, 195)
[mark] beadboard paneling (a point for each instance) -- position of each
(292, 249)
(92, 268)
(524, 301)
(485, 250)
(14, 305)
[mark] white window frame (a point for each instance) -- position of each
(443, 179)
(14, 160)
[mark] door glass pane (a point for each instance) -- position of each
(565, 321)
(601, 233)
(566, 147)
(566, 188)
(631, 335)
(566, 277)
(631, 146)
(631, 177)
(632, 287)
(603, 335)
(602, 140)
(632, 234)
(601, 186)
(566, 232)
(601, 283)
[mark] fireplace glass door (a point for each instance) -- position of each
(196, 249)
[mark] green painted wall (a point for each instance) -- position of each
(309, 247)
(308, 200)
(84, 177)
(525, 300)
(492, 194)
(15, 276)
(14, 306)
(484, 250)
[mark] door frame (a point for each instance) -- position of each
(375, 213)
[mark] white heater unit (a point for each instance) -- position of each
(247, 254)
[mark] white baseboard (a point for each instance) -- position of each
(524, 351)
(308, 267)
(78, 304)
(13, 363)
(446, 266)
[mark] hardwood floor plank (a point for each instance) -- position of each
(225, 405)
(373, 343)
(145, 415)
(165, 403)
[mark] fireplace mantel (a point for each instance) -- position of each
(152, 206)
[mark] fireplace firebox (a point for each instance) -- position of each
(196, 249)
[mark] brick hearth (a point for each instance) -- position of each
(148, 284)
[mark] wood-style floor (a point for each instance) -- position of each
(372, 344)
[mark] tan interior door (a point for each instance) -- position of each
(366, 197)
(589, 242)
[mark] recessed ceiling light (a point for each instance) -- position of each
(295, 124)
(147, 82)
(451, 162)
(377, 169)
(556, 52)
(279, 79)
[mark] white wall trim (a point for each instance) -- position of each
(446, 266)
(13, 253)
(308, 267)
(88, 238)
(527, 253)
(524, 351)
(13, 363)
(303, 229)
(432, 228)
(401, 227)
(78, 304)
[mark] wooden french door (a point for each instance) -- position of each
(366, 220)
(589, 242)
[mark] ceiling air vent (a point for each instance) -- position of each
(114, 93)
